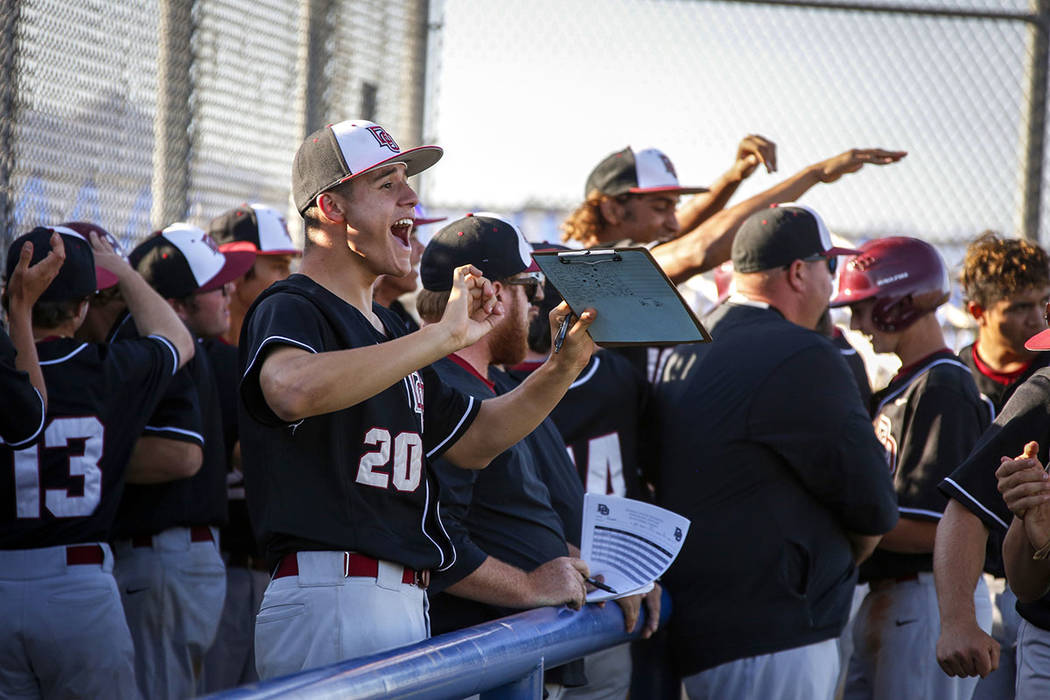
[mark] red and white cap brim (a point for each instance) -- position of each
(1039, 341)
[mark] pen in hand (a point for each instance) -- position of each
(598, 584)
(563, 329)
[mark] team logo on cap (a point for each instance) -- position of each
(667, 164)
(210, 242)
(385, 140)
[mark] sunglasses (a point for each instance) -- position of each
(832, 261)
(532, 281)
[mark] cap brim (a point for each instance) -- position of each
(841, 251)
(670, 190)
(249, 247)
(416, 160)
(237, 263)
(104, 279)
(1039, 341)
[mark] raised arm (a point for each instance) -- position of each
(297, 384)
(753, 150)
(709, 244)
(152, 314)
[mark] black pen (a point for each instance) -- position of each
(562, 331)
(599, 584)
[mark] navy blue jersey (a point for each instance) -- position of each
(22, 408)
(64, 488)
(356, 479)
(1025, 417)
(607, 446)
(927, 420)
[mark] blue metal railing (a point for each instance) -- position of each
(505, 657)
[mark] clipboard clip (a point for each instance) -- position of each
(589, 257)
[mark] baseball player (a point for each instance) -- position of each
(171, 575)
(1007, 285)
(62, 628)
(21, 381)
(261, 230)
(927, 419)
(765, 446)
(341, 412)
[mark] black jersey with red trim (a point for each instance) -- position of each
(600, 420)
(504, 510)
(22, 407)
(356, 479)
(927, 419)
(64, 488)
(1025, 417)
(996, 386)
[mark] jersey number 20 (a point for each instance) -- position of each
(60, 502)
(407, 464)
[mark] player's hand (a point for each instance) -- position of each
(472, 309)
(967, 651)
(28, 282)
(752, 151)
(652, 606)
(559, 581)
(853, 160)
(107, 258)
(578, 347)
(1022, 481)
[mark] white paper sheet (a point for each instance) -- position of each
(629, 543)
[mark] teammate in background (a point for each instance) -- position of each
(166, 544)
(62, 629)
(927, 419)
(765, 446)
(21, 380)
(389, 289)
(1007, 286)
(260, 230)
(334, 433)
(605, 446)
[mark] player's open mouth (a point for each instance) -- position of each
(401, 229)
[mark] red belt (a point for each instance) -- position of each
(198, 533)
(355, 565)
(84, 554)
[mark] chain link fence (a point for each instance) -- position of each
(138, 113)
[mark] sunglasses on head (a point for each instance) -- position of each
(532, 281)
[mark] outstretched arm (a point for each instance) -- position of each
(752, 151)
(710, 243)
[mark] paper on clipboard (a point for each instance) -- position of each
(629, 543)
(636, 302)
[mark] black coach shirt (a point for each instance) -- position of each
(356, 479)
(927, 419)
(1025, 417)
(64, 488)
(765, 446)
(22, 408)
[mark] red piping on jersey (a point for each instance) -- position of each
(467, 366)
(904, 371)
(1004, 378)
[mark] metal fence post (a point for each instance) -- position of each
(9, 18)
(528, 687)
(171, 133)
(1034, 134)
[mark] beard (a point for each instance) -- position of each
(508, 342)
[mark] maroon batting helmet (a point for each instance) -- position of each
(905, 276)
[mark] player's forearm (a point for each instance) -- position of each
(153, 315)
(1029, 578)
(958, 559)
(910, 536)
(700, 207)
(156, 460)
(506, 419)
(21, 327)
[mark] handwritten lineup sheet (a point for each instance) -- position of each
(629, 543)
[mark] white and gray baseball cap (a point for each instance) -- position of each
(636, 172)
(182, 259)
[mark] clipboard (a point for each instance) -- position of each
(636, 302)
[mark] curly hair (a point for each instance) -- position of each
(586, 224)
(997, 268)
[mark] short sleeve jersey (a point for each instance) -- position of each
(65, 487)
(927, 419)
(356, 479)
(1025, 417)
(22, 408)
